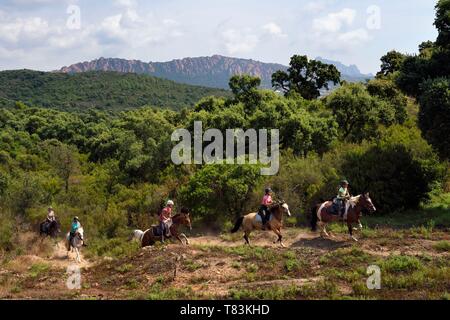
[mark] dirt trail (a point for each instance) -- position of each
(62, 258)
(215, 266)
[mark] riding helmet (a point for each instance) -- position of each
(76, 218)
(268, 190)
(344, 182)
(170, 203)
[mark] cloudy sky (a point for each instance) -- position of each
(49, 34)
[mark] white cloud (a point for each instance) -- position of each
(239, 41)
(333, 22)
(20, 30)
(125, 3)
(118, 34)
(274, 29)
(354, 37)
(334, 32)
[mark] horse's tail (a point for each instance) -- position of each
(314, 218)
(237, 225)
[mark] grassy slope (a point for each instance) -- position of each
(108, 90)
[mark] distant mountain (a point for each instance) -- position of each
(350, 73)
(96, 89)
(214, 71)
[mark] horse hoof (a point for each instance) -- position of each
(282, 245)
(354, 239)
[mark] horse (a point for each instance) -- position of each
(137, 235)
(150, 236)
(50, 228)
(76, 243)
(253, 221)
(321, 215)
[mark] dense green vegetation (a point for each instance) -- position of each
(103, 90)
(114, 169)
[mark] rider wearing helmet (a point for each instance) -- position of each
(165, 219)
(74, 228)
(264, 211)
(50, 215)
(342, 197)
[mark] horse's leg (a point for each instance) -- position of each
(78, 255)
(280, 237)
(323, 229)
(350, 230)
(246, 234)
(185, 238)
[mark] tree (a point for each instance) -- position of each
(434, 115)
(394, 178)
(391, 62)
(358, 113)
(442, 23)
(306, 77)
(63, 159)
(389, 92)
(245, 90)
(217, 192)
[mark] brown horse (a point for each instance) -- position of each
(321, 213)
(253, 221)
(149, 238)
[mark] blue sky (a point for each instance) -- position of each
(49, 34)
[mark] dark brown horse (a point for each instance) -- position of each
(149, 238)
(321, 213)
(50, 228)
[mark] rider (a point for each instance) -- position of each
(165, 218)
(342, 197)
(264, 211)
(74, 228)
(50, 215)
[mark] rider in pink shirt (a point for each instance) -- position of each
(165, 218)
(264, 210)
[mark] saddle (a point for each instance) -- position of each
(157, 231)
(334, 209)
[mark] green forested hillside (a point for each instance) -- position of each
(105, 90)
(113, 169)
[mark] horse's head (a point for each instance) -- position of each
(80, 231)
(366, 202)
(280, 208)
(186, 217)
(285, 207)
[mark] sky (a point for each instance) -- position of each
(49, 34)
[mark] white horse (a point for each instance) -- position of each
(137, 235)
(76, 243)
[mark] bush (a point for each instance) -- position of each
(399, 171)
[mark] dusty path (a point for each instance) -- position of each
(221, 266)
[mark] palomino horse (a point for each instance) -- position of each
(76, 243)
(321, 215)
(253, 221)
(50, 229)
(149, 238)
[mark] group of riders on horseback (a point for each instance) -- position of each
(51, 226)
(268, 217)
(339, 203)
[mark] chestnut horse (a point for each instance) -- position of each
(149, 238)
(253, 221)
(321, 213)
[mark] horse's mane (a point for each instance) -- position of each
(176, 216)
(354, 200)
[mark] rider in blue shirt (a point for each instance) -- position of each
(74, 228)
